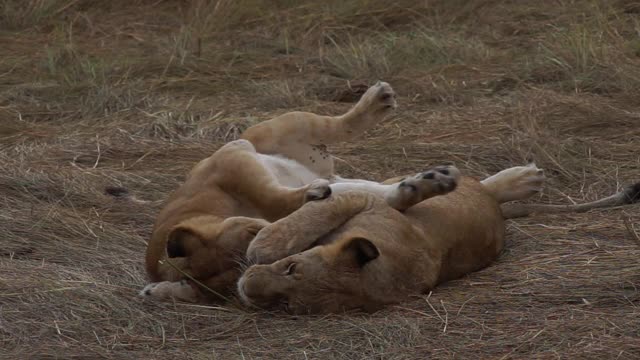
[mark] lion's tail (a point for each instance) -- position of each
(629, 195)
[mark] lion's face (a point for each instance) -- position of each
(214, 248)
(324, 279)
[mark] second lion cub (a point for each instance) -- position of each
(276, 167)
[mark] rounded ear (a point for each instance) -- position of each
(251, 225)
(363, 250)
(182, 242)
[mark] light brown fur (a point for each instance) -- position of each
(278, 165)
(353, 251)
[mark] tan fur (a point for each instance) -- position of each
(353, 251)
(278, 165)
(515, 186)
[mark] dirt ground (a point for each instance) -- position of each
(133, 93)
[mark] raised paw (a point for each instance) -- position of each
(180, 290)
(410, 191)
(318, 189)
(266, 246)
(379, 97)
(439, 180)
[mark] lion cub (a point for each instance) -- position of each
(354, 251)
(207, 224)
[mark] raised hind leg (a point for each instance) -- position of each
(408, 191)
(303, 136)
(240, 173)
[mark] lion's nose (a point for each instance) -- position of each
(251, 286)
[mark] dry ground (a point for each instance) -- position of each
(133, 93)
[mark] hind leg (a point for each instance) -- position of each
(408, 191)
(239, 171)
(516, 183)
(303, 136)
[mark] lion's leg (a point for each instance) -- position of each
(516, 183)
(409, 191)
(412, 190)
(298, 231)
(241, 173)
(189, 291)
(395, 179)
(303, 136)
(276, 201)
(381, 190)
(335, 179)
(179, 290)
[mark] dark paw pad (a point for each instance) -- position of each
(443, 171)
(326, 193)
(429, 175)
(317, 195)
(406, 185)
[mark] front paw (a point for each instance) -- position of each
(180, 290)
(264, 247)
(437, 181)
(319, 189)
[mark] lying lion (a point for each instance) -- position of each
(278, 165)
(354, 251)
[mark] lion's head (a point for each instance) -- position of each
(212, 248)
(323, 279)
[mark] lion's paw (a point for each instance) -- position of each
(437, 181)
(531, 178)
(379, 97)
(318, 189)
(180, 290)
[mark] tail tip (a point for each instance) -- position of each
(632, 193)
(116, 191)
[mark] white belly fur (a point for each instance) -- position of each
(289, 172)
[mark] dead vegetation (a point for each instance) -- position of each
(133, 93)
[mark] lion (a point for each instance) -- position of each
(354, 252)
(201, 235)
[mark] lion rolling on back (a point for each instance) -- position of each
(206, 225)
(353, 251)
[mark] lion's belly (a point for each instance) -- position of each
(466, 225)
(289, 172)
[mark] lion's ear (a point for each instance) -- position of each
(362, 250)
(183, 241)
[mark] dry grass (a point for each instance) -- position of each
(134, 92)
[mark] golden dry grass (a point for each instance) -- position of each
(133, 93)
